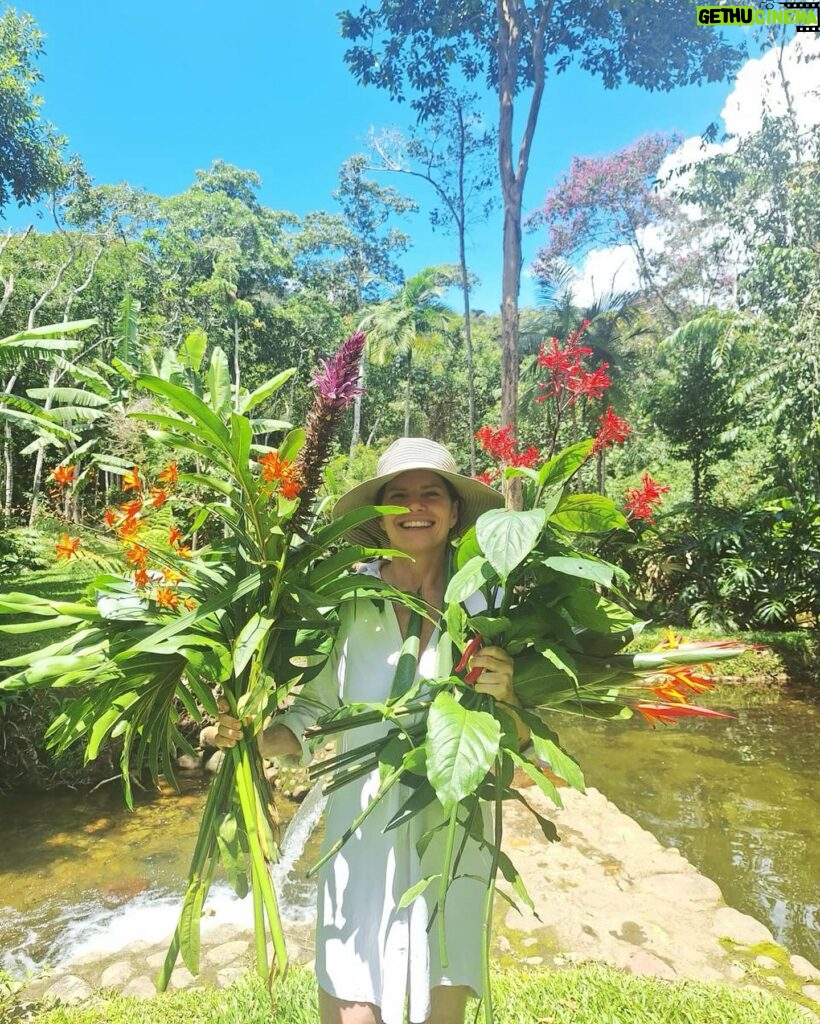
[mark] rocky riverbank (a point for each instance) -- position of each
(608, 892)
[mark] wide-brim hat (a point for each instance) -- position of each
(408, 453)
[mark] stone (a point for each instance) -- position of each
(731, 924)
(504, 944)
(182, 977)
(228, 975)
(226, 953)
(156, 960)
(767, 962)
(777, 982)
(117, 975)
(142, 987)
(736, 973)
(187, 763)
(214, 762)
(70, 989)
(533, 961)
(812, 992)
(803, 968)
(646, 964)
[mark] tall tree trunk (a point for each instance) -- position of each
(8, 462)
(407, 393)
(236, 368)
(357, 407)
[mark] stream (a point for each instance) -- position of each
(80, 872)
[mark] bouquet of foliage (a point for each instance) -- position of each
(245, 615)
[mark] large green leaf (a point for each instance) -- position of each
(127, 332)
(583, 568)
(192, 350)
(507, 537)
(48, 331)
(561, 466)
(219, 383)
(264, 391)
(469, 579)
(588, 608)
(211, 427)
(588, 513)
(247, 643)
(461, 746)
(189, 923)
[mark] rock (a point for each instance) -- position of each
(777, 982)
(812, 992)
(804, 968)
(140, 988)
(533, 961)
(117, 975)
(214, 762)
(156, 960)
(228, 975)
(731, 924)
(767, 962)
(646, 964)
(70, 989)
(504, 944)
(226, 953)
(188, 763)
(181, 978)
(736, 972)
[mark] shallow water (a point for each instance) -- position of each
(79, 872)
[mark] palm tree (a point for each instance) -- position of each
(412, 320)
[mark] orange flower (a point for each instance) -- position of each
(171, 577)
(137, 555)
(290, 488)
(131, 481)
(184, 551)
(63, 475)
(67, 546)
(111, 517)
(166, 598)
(169, 475)
(131, 508)
(272, 466)
(141, 577)
(129, 527)
(158, 497)
(189, 603)
(174, 536)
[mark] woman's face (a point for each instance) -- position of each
(432, 512)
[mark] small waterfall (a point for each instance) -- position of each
(296, 896)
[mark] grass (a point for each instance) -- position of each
(585, 994)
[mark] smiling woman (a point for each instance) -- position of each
(375, 948)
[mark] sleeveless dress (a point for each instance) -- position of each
(367, 949)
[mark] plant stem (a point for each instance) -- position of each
(444, 882)
(488, 898)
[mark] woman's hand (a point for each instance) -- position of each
(496, 679)
(225, 734)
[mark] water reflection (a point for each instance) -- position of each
(739, 799)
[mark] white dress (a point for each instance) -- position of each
(368, 950)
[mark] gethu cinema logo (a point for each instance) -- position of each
(804, 16)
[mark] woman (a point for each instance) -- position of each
(372, 956)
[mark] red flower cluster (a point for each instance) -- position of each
(503, 447)
(568, 379)
(278, 471)
(63, 476)
(641, 502)
(613, 430)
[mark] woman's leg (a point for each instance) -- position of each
(447, 1004)
(337, 1011)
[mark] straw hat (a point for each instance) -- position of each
(416, 453)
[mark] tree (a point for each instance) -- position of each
(451, 155)
(414, 318)
(419, 48)
(30, 162)
(364, 248)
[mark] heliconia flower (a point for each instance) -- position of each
(170, 475)
(670, 713)
(131, 480)
(141, 577)
(158, 497)
(166, 598)
(612, 430)
(336, 385)
(640, 502)
(137, 555)
(67, 546)
(63, 475)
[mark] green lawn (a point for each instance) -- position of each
(588, 994)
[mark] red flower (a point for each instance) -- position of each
(131, 508)
(174, 536)
(63, 475)
(568, 378)
(497, 443)
(67, 546)
(141, 577)
(488, 477)
(613, 430)
(111, 518)
(670, 713)
(158, 497)
(276, 470)
(529, 458)
(640, 502)
(137, 555)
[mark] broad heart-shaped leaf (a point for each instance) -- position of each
(461, 746)
(507, 537)
(588, 513)
(561, 466)
(468, 580)
(583, 568)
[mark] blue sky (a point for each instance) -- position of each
(148, 92)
